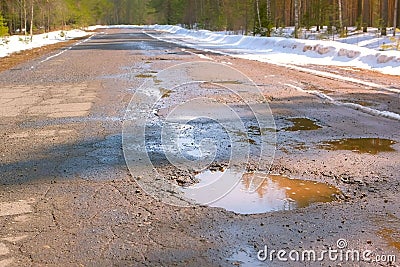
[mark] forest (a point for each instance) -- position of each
(248, 16)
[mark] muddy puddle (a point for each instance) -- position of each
(302, 124)
(165, 92)
(259, 192)
(144, 76)
(361, 145)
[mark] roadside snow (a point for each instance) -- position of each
(17, 43)
(288, 50)
(371, 111)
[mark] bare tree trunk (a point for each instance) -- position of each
(258, 14)
(319, 15)
(385, 5)
(246, 22)
(268, 10)
(31, 29)
(25, 18)
(296, 18)
(269, 19)
(48, 16)
(340, 18)
(21, 16)
(396, 7)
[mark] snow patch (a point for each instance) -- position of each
(17, 43)
(284, 50)
(370, 111)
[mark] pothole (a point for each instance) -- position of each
(144, 76)
(360, 145)
(165, 92)
(260, 192)
(302, 124)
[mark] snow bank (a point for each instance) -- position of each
(285, 50)
(18, 43)
(370, 111)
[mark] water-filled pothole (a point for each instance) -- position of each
(143, 75)
(360, 145)
(302, 124)
(165, 92)
(259, 192)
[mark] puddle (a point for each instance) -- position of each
(259, 193)
(361, 145)
(144, 76)
(302, 124)
(165, 92)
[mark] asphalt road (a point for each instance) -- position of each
(67, 197)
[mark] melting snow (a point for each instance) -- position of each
(18, 43)
(288, 50)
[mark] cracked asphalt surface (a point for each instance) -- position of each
(68, 199)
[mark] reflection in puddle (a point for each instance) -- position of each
(302, 124)
(259, 193)
(361, 145)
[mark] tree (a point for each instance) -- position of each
(340, 11)
(269, 23)
(31, 26)
(3, 27)
(258, 16)
(385, 5)
(296, 18)
(396, 7)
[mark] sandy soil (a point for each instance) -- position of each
(68, 199)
